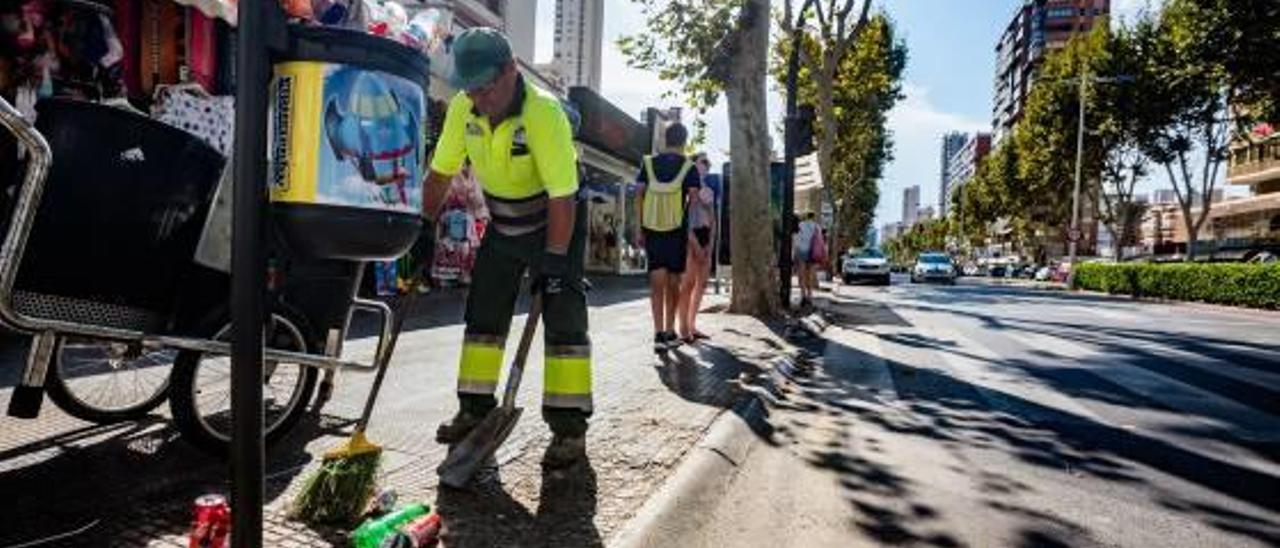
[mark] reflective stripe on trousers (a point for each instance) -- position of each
(566, 381)
(481, 364)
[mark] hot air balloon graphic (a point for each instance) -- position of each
(368, 125)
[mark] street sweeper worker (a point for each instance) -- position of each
(520, 144)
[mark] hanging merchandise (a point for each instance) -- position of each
(58, 49)
(225, 10)
(190, 108)
(429, 32)
(331, 12)
(429, 29)
(161, 41)
(385, 278)
(297, 8)
(127, 21)
(459, 230)
(202, 50)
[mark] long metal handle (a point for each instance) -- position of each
(522, 352)
(383, 358)
(15, 240)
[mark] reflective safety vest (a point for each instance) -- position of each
(664, 201)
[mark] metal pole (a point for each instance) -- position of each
(248, 265)
(715, 244)
(789, 145)
(1074, 235)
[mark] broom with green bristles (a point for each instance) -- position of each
(341, 488)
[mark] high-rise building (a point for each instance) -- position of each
(579, 40)
(965, 162)
(951, 144)
(1038, 27)
(910, 205)
(519, 23)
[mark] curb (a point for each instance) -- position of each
(695, 488)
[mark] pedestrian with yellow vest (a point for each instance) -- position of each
(667, 184)
(520, 144)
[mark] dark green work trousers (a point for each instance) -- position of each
(496, 283)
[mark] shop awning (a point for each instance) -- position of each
(609, 129)
(218, 9)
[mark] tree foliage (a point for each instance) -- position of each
(924, 236)
(1200, 74)
(865, 87)
(710, 47)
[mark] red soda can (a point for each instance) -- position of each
(211, 523)
(423, 532)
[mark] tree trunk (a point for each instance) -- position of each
(826, 147)
(754, 289)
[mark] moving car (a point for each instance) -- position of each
(868, 264)
(934, 267)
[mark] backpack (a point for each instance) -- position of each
(664, 201)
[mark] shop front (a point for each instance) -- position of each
(612, 146)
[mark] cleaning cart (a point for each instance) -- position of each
(116, 239)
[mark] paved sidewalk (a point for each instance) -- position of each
(133, 483)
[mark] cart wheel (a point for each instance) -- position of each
(201, 399)
(106, 381)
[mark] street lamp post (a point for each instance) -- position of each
(790, 146)
(1073, 237)
(248, 264)
(1075, 233)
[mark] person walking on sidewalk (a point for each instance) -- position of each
(806, 266)
(702, 232)
(667, 183)
(520, 144)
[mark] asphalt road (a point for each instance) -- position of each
(979, 415)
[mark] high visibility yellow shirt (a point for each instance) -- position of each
(530, 152)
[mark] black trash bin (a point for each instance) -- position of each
(348, 119)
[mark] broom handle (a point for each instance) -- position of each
(522, 352)
(383, 357)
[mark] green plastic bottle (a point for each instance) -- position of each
(372, 531)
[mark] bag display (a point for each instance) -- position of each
(191, 109)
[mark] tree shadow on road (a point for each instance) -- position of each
(935, 406)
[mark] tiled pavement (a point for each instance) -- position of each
(133, 483)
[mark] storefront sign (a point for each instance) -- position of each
(608, 128)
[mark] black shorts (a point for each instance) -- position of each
(666, 250)
(703, 234)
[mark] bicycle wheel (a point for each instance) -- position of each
(201, 398)
(107, 381)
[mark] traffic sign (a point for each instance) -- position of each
(1075, 235)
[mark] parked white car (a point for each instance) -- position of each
(934, 267)
(868, 264)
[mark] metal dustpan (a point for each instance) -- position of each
(485, 439)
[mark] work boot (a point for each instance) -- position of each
(457, 428)
(564, 451)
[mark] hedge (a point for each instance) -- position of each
(1234, 284)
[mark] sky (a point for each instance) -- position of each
(948, 82)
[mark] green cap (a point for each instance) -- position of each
(478, 55)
